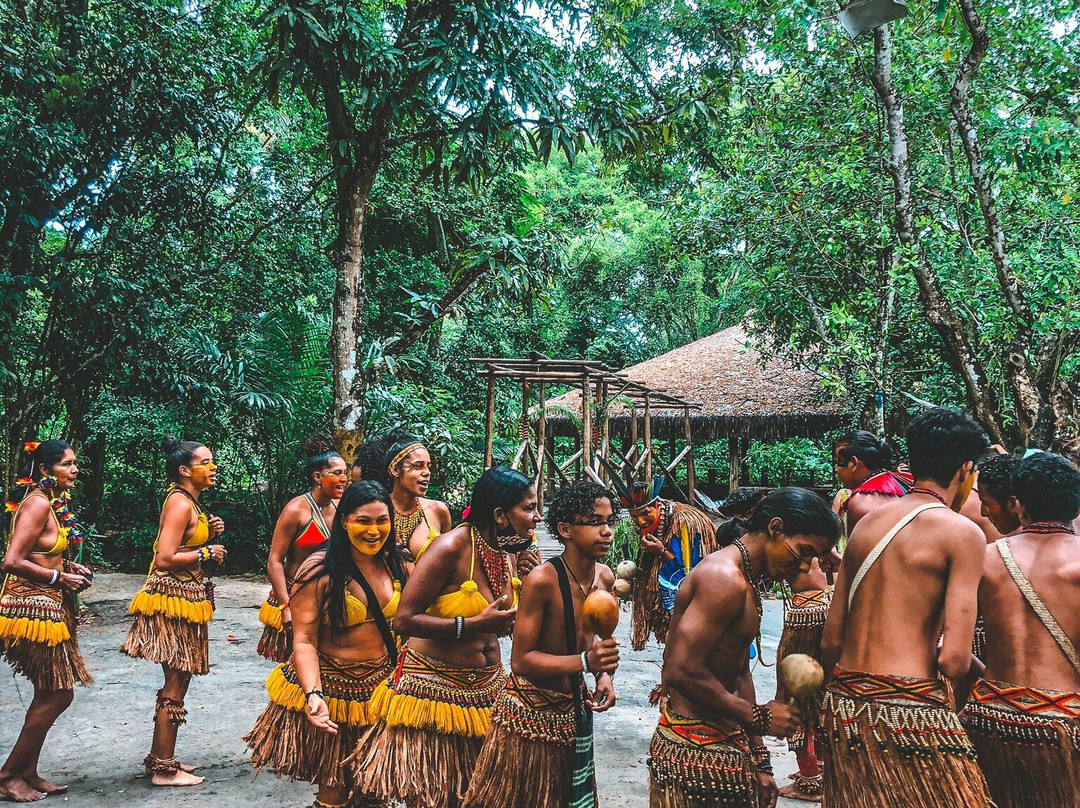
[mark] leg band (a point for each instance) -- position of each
(175, 709)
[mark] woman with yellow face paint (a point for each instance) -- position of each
(175, 604)
(343, 605)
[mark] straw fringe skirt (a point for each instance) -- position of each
(804, 623)
(38, 635)
(528, 757)
(171, 617)
(1028, 743)
(699, 764)
(276, 641)
(286, 741)
(893, 741)
(649, 617)
(433, 718)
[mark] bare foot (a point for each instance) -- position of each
(184, 767)
(792, 793)
(18, 790)
(44, 786)
(180, 778)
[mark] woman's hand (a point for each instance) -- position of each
(767, 790)
(603, 697)
(319, 714)
(286, 616)
(78, 569)
(496, 619)
(72, 582)
(216, 525)
(217, 553)
(527, 561)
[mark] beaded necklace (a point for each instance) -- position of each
(755, 587)
(494, 562)
(405, 524)
(62, 508)
(918, 489)
(1045, 528)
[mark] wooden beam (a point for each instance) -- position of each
(541, 444)
(519, 454)
(733, 463)
(675, 461)
(524, 427)
(489, 430)
(647, 454)
(563, 467)
(605, 425)
(586, 421)
(691, 481)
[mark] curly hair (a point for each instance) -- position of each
(995, 473)
(1048, 486)
(574, 501)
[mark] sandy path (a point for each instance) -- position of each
(98, 745)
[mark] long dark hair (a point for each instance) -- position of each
(47, 454)
(498, 487)
(337, 562)
(802, 511)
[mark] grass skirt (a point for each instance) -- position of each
(1028, 743)
(528, 756)
(804, 622)
(894, 741)
(171, 612)
(286, 741)
(433, 719)
(38, 635)
(700, 764)
(276, 641)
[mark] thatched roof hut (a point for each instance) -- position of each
(739, 393)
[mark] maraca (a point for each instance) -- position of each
(800, 675)
(601, 613)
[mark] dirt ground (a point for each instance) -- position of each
(98, 745)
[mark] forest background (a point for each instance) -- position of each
(241, 222)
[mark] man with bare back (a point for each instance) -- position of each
(1024, 714)
(903, 614)
(707, 749)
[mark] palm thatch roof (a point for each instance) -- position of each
(737, 390)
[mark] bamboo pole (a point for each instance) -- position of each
(586, 421)
(541, 443)
(605, 428)
(489, 430)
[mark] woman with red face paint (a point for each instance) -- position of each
(300, 530)
(343, 605)
(175, 604)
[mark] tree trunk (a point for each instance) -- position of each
(949, 326)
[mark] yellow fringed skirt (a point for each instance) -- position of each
(287, 742)
(172, 611)
(432, 719)
(37, 634)
(276, 640)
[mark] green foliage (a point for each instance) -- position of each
(625, 544)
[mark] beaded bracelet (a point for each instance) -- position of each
(762, 719)
(585, 662)
(459, 627)
(204, 554)
(761, 758)
(316, 692)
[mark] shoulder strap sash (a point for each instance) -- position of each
(879, 548)
(1036, 604)
(316, 514)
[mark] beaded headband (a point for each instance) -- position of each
(408, 450)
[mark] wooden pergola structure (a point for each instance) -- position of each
(598, 386)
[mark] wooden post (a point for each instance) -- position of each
(691, 482)
(489, 434)
(648, 440)
(605, 429)
(733, 462)
(633, 454)
(586, 422)
(553, 461)
(541, 444)
(524, 427)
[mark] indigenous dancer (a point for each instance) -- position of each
(707, 749)
(538, 753)
(911, 567)
(461, 597)
(343, 649)
(175, 604)
(863, 464)
(37, 609)
(1024, 713)
(996, 498)
(418, 521)
(674, 538)
(300, 530)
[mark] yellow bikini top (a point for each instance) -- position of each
(356, 610)
(201, 534)
(467, 601)
(431, 536)
(61, 531)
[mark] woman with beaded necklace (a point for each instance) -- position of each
(37, 610)
(302, 528)
(418, 521)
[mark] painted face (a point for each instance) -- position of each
(965, 489)
(1003, 517)
(515, 529)
(333, 479)
(368, 527)
(65, 471)
(592, 533)
(414, 473)
(788, 557)
(203, 471)
(646, 519)
(845, 469)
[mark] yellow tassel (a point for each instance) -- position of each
(46, 632)
(271, 616)
(170, 606)
(450, 719)
(291, 696)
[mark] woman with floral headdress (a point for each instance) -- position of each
(174, 606)
(37, 609)
(301, 529)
